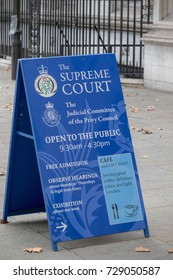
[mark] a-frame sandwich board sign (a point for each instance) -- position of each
(71, 152)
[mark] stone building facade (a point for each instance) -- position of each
(158, 56)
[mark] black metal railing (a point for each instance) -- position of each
(74, 27)
(6, 9)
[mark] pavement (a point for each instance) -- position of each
(150, 115)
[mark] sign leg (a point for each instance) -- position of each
(54, 246)
(146, 232)
(5, 211)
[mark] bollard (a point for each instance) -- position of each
(15, 37)
(16, 47)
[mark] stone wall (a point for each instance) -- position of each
(158, 67)
(158, 54)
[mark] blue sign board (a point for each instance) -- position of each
(71, 151)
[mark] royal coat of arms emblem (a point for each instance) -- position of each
(51, 116)
(45, 84)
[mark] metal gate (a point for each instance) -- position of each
(74, 27)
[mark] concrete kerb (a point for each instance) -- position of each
(5, 64)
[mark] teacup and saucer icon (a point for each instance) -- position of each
(130, 210)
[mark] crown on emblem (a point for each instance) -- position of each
(49, 105)
(43, 70)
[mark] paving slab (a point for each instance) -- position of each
(126, 250)
(14, 243)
